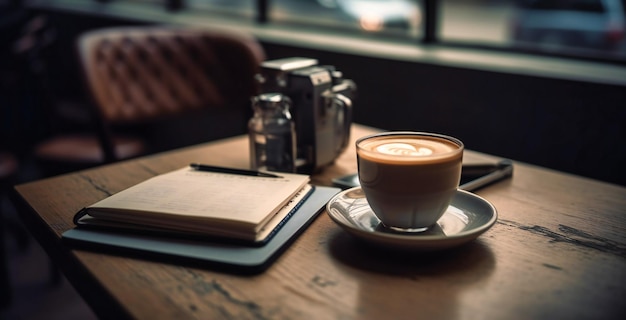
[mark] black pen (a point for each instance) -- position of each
(208, 168)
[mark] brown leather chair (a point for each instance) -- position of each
(141, 75)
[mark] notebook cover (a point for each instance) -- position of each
(230, 257)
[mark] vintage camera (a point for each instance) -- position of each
(321, 107)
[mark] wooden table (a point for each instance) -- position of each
(558, 251)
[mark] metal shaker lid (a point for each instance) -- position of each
(271, 100)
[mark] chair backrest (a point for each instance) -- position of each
(138, 74)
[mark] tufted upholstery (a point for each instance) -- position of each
(137, 75)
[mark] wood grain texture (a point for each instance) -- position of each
(558, 250)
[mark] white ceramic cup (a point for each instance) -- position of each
(409, 178)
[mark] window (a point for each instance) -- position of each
(243, 8)
(480, 22)
(592, 29)
(386, 17)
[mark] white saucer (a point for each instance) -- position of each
(467, 217)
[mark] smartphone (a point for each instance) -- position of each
(473, 176)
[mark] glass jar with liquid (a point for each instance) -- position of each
(272, 134)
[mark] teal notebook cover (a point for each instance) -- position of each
(234, 257)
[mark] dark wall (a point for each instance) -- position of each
(571, 126)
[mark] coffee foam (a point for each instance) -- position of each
(407, 149)
(403, 149)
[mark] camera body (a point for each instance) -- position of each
(321, 107)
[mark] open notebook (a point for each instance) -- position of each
(202, 204)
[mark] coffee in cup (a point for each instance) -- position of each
(409, 178)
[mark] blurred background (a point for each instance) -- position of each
(593, 28)
(539, 81)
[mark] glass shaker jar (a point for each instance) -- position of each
(272, 134)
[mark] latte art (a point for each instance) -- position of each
(403, 149)
(407, 149)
